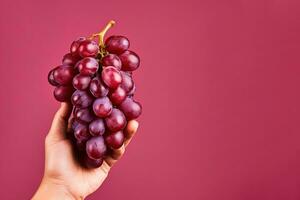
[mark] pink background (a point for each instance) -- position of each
(219, 83)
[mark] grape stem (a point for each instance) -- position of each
(102, 33)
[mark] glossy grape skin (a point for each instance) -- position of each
(63, 93)
(51, 78)
(97, 88)
(111, 76)
(92, 163)
(115, 140)
(131, 108)
(102, 107)
(117, 96)
(115, 121)
(111, 60)
(81, 132)
(87, 66)
(75, 45)
(63, 74)
(127, 82)
(81, 82)
(88, 48)
(81, 99)
(97, 127)
(130, 61)
(116, 44)
(69, 59)
(95, 147)
(131, 92)
(84, 115)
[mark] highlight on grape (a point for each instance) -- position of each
(97, 78)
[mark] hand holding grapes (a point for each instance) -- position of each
(64, 177)
(89, 136)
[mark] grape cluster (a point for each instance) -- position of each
(97, 79)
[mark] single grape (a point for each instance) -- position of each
(115, 121)
(95, 147)
(97, 88)
(51, 78)
(115, 140)
(81, 99)
(127, 82)
(87, 66)
(117, 96)
(130, 61)
(131, 92)
(117, 44)
(102, 107)
(131, 108)
(88, 48)
(63, 74)
(92, 163)
(81, 82)
(69, 59)
(84, 115)
(81, 132)
(97, 127)
(111, 76)
(63, 93)
(111, 60)
(75, 45)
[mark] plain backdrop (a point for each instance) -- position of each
(219, 84)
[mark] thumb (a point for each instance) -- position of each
(59, 125)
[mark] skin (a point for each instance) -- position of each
(64, 178)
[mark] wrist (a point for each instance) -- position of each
(53, 190)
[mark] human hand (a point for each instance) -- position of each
(64, 178)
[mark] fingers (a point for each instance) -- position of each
(59, 124)
(129, 132)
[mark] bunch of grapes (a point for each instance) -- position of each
(97, 79)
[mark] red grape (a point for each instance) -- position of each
(97, 88)
(116, 44)
(127, 82)
(102, 107)
(115, 121)
(117, 96)
(111, 76)
(111, 60)
(81, 132)
(115, 140)
(131, 108)
(130, 61)
(97, 127)
(84, 115)
(75, 45)
(63, 74)
(92, 163)
(95, 147)
(131, 92)
(51, 78)
(87, 66)
(63, 93)
(81, 99)
(69, 59)
(88, 48)
(81, 82)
